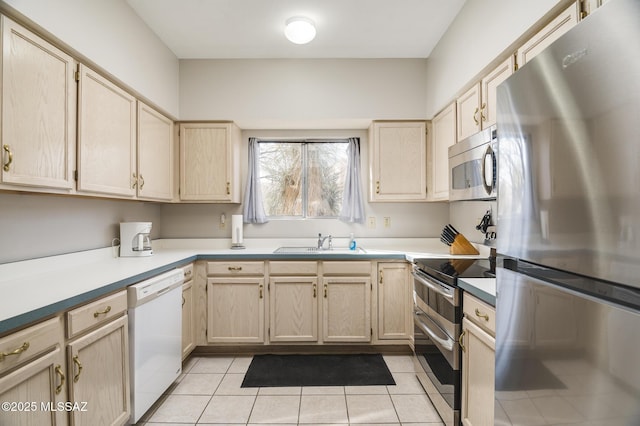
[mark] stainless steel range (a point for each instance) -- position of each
(437, 317)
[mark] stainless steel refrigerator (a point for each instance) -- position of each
(568, 281)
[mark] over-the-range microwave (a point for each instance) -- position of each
(472, 167)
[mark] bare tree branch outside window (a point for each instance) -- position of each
(303, 179)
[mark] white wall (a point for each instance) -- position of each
(481, 32)
(303, 93)
(407, 219)
(38, 225)
(110, 34)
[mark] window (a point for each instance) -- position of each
(303, 179)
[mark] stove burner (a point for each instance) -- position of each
(449, 270)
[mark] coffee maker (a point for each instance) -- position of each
(134, 239)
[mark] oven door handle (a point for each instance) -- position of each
(427, 283)
(447, 344)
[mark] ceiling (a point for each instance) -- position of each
(233, 29)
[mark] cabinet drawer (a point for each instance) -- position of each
(94, 313)
(235, 268)
(26, 344)
(293, 268)
(187, 270)
(346, 268)
(480, 313)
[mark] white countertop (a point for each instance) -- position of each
(34, 289)
(482, 288)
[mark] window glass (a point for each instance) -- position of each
(302, 179)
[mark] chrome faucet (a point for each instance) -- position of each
(321, 241)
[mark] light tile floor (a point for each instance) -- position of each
(209, 392)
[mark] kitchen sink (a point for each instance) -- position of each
(315, 250)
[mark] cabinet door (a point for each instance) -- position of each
(188, 323)
(38, 111)
(442, 137)
(236, 310)
(394, 301)
(489, 86)
(40, 382)
(293, 309)
(468, 111)
(346, 309)
(98, 366)
(106, 137)
(208, 157)
(398, 161)
(478, 367)
(155, 154)
(547, 35)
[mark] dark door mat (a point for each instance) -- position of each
(317, 370)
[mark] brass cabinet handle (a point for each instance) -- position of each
(16, 351)
(141, 183)
(188, 273)
(325, 291)
(260, 287)
(183, 301)
(76, 361)
(61, 374)
(228, 188)
(134, 181)
(315, 290)
(377, 187)
(475, 119)
(7, 149)
(460, 340)
(235, 268)
(481, 315)
(381, 276)
(482, 116)
(103, 312)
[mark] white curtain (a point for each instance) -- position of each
(352, 203)
(253, 205)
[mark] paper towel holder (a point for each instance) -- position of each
(236, 232)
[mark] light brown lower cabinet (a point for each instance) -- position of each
(293, 309)
(346, 309)
(98, 375)
(35, 391)
(478, 362)
(188, 334)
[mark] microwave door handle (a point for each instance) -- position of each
(447, 344)
(423, 281)
(488, 186)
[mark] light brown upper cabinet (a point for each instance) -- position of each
(476, 108)
(106, 137)
(443, 135)
(398, 161)
(209, 162)
(38, 111)
(566, 20)
(155, 154)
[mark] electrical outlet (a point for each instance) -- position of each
(371, 222)
(223, 221)
(387, 222)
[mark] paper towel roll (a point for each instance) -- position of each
(236, 230)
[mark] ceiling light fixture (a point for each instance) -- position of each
(300, 30)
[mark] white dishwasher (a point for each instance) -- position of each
(155, 338)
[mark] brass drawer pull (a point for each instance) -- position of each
(377, 187)
(381, 276)
(61, 374)
(16, 351)
(134, 181)
(7, 165)
(460, 339)
(76, 361)
(482, 116)
(325, 291)
(188, 273)
(183, 300)
(315, 291)
(475, 119)
(260, 287)
(481, 315)
(142, 182)
(103, 312)
(228, 188)
(235, 268)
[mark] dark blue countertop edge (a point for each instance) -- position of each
(31, 317)
(475, 291)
